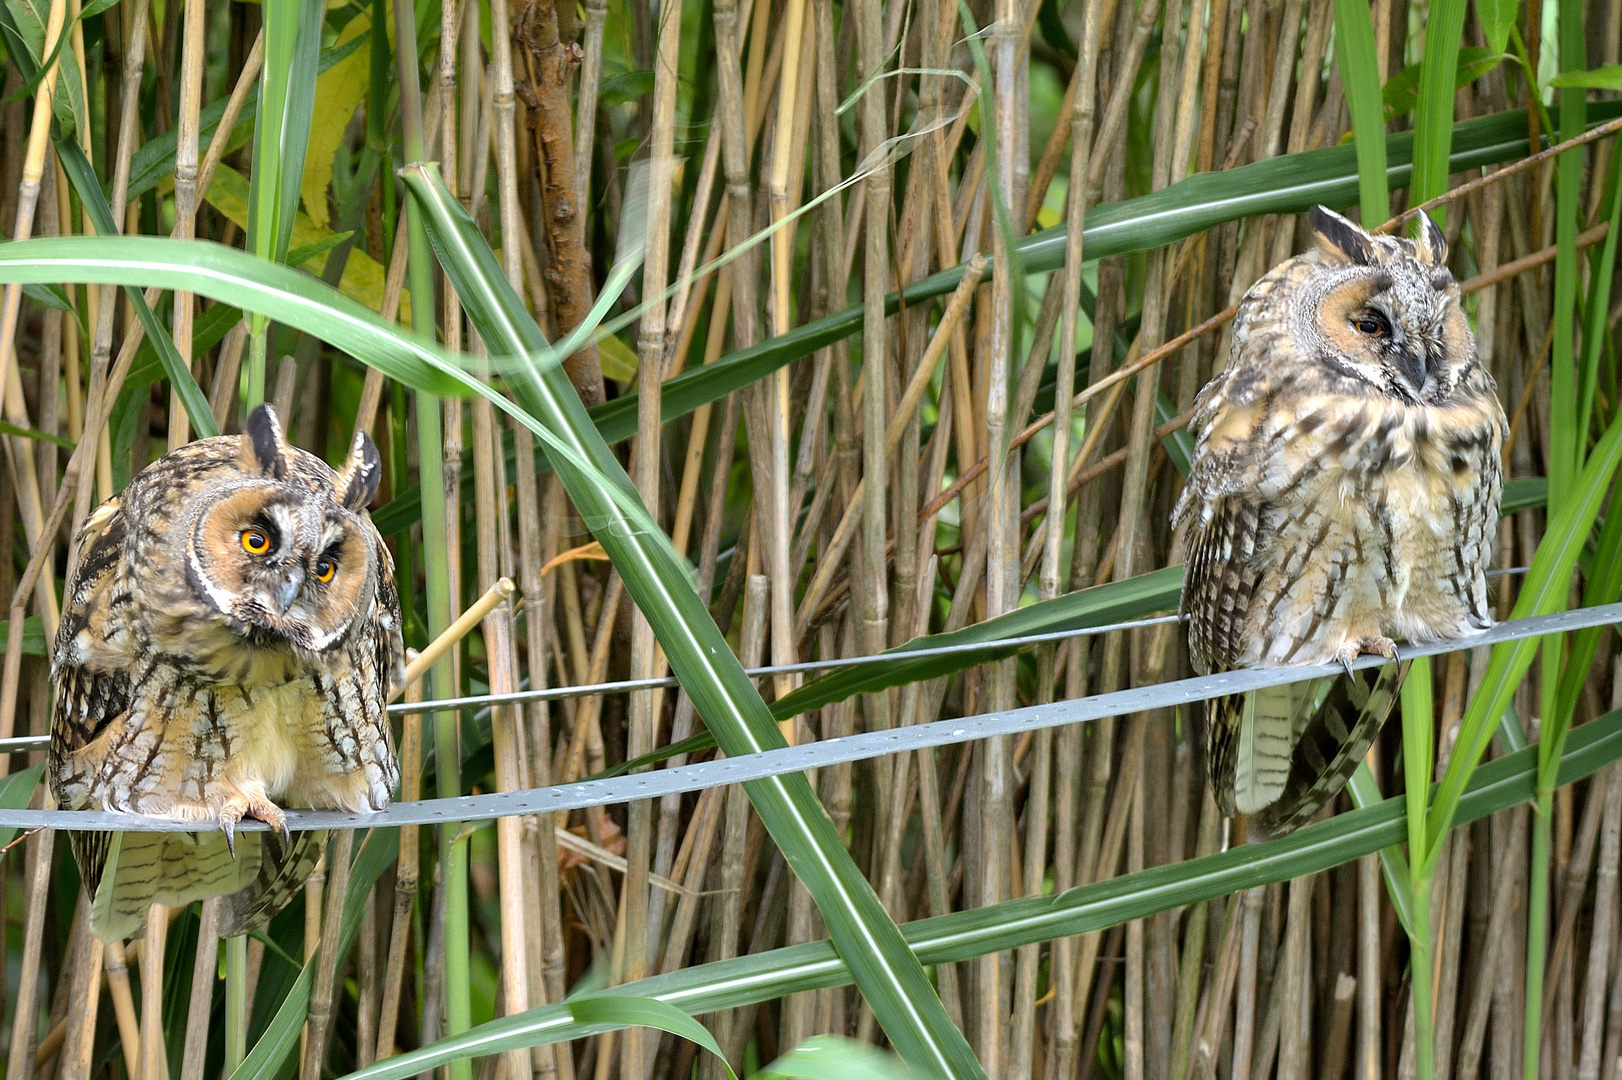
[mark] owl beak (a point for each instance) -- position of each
(290, 588)
(1411, 361)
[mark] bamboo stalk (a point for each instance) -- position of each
(202, 984)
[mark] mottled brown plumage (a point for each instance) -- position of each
(1344, 493)
(229, 640)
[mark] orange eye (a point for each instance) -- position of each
(255, 542)
(324, 570)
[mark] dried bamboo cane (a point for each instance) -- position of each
(186, 192)
(405, 878)
(204, 971)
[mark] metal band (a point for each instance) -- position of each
(818, 755)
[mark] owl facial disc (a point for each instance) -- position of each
(282, 552)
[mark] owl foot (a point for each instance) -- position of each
(1373, 645)
(243, 806)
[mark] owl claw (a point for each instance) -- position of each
(1374, 646)
(243, 806)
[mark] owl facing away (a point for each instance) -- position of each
(229, 641)
(1343, 496)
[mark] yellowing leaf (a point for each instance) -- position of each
(618, 361)
(338, 91)
(363, 277)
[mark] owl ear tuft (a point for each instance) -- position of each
(1339, 237)
(264, 449)
(358, 479)
(1431, 244)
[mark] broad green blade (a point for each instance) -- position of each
(1099, 606)
(890, 977)
(249, 284)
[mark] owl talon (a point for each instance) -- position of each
(229, 827)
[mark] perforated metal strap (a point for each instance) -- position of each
(818, 755)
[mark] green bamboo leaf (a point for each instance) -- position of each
(1098, 606)
(16, 789)
(1608, 77)
(247, 283)
(1497, 18)
(1401, 93)
(611, 1013)
(1565, 449)
(282, 127)
(830, 1057)
(890, 977)
(964, 935)
(1433, 117)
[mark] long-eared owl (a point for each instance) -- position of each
(1344, 493)
(230, 638)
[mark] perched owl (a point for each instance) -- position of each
(229, 640)
(1343, 494)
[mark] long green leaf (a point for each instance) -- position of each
(245, 282)
(890, 977)
(605, 1012)
(1285, 184)
(1098, 606)
(964, 935)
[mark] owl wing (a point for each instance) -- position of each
(1276, 754)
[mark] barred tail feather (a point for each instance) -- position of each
(1334, 739)
(129, 872)
(1279, 754)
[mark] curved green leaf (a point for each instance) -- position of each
(1098, 606)
(831, 1057)
(245, 282)
(890, 977)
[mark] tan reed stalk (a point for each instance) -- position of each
(318, 1024)
(505, 732)
(1578, 864)
(192, 61)
(33, 169)
(1244, 1024)
(1603, 931)
(1211, 1033)
(204, 972)
(1186, 1024)
(1132, 1049)
(84, 998)
(1294, 988)
(591, 66)
(546, 939)
(368, 978)
(154, 1057)
(405, 877)
(41, 849)
(118, 988)
(724, 914)
(832, 554)
(873, 126)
